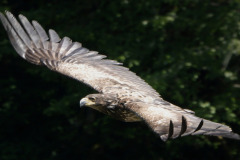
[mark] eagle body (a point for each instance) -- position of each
(122, 94)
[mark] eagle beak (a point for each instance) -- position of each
(83, 102)
(86, 102)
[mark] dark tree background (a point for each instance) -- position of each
(188, 50)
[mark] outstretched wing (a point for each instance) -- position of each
(170, 121)
(69, 58)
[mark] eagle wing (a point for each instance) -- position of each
(170, 121)
(69, 58)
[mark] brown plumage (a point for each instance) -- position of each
(122, 94)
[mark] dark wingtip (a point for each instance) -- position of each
(170, 129)
(165, 137)
(184, 126)
(199, 126)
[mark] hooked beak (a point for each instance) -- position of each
(83, 102)
(86, 102)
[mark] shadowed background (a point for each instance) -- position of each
(189, 51)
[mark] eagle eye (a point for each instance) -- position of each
(92, 99)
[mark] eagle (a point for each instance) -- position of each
(121, 93)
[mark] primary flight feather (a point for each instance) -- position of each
(122, 94)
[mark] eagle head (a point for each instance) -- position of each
(97, 101)
(110, 105)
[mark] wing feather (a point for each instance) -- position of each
(32, 33)
(70, 58)
(18, 28)
(43, 37)
(171, 123)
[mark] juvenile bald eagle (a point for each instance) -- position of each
(122, 94)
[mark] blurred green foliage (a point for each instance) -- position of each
(188, 50)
